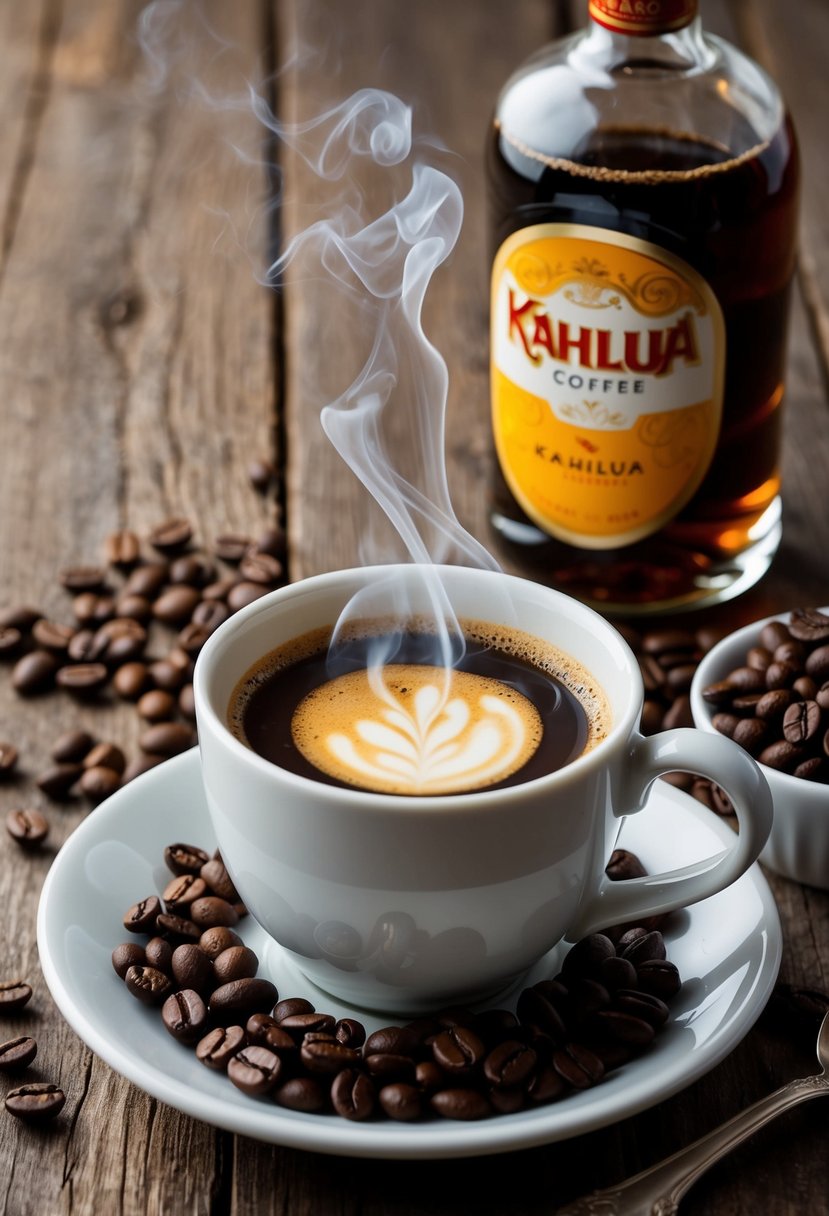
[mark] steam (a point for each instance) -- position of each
(383, 264)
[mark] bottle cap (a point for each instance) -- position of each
(643, 18)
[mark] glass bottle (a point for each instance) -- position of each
(643, 189)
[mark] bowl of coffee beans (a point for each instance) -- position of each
(767, 687)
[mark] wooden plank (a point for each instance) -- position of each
(136, 380)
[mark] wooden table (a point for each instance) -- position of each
(142, 365)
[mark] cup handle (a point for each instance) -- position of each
(712, 756)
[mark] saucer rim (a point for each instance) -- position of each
(429, 1140)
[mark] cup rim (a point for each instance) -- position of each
(372, 800)
(707, 673)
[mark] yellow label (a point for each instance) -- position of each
(608, 356)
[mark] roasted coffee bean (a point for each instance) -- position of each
(588, 954)
(350, 1032)
(813, 769)
(167, 738)
(171, 535)
(11, 641)
(35, 1102)
(58, 780)
(148, 984)
(746, 704)
(642, 1005)
(192, 968)
(577, 1066)
(107, 755)
(121, 640)
(245, 593)
(214, 940)
(759, 657)
(721, 693)
(122, 549)
(805, 688)
(131, 680)
(301, 1093)
(624, 864)
(261, 474)
(261, 568)
(192, 637)
(536, 1009)
(617, 973)
(26, 827)
(84, 679)
(678, 714)
(458, 1050)
(134, 608)
(220, 589)
(157, 706)
(751, 734)
(386, 1067)
(142, 917)
(235, 963)
(159, 953)
(184, 1015)
(90, 610)
(509, 1064)
(82, 578)
(353, 1095)
(254, 1070)
(146, 580)
(809, 625)
(401, 1101)
(464, 1104)
(184, 858)
(817, 664)
(232, 547)
(398, 1040)
(14, 994)
(182, 891)
(175, 605)
(192, 570)
(179, 927)
(782, 755)
(243, 997)
(273, 541)
(22, 618)
(99, 783)
(210, 614)
(219, 1046)
(52, 636)
(659, 977)
(773, 705)
(216, 876)
(8, 758)
(645, 947)
(299, 1024)
(725, 723)
(128, 954)
(326, 1058)
(291, 1006)
(17, 1054)
(801, 722)
(167, 675)
(35, 672)
(72, 747)
(587, 997)
(628, 1029)
(263, 1029)
(210, 910)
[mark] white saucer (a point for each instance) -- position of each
(727, 950)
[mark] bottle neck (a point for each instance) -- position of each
(643, 18)
(681, 49)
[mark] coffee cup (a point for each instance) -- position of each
(406, 902)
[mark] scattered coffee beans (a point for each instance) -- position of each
(605, 1007)
(35, 1103)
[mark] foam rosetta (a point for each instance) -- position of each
(416, 729)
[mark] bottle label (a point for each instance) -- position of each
(643, 18)
(608, 356)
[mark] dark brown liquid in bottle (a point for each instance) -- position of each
(735, 225)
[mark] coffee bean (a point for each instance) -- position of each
(146, 580)
(184, 1015)
(91, 609)
(148, 984)
(578, 1067)
(86, 647)
(183, 891)
(122, 549)
(510, 1064)
(52, 636)
(464, 1104)
(255, 1070)
(184, 858)
(773, 705)
(192, 637)
(535, 1008)
(300, 1093)
(243, 997)
(353, 1095)
(11, 641)
(219, 1046)
(142, 917)
(659, 977)
(245, 593)
(385, 1067)
(179, 927)
(17, 1054)
(34, 672)
(72, 747)
(625, 1027)
(14, 994)
(36, 1102)
(82, 578)
(801, 722)
(643, 1005)
(350, 1032)
(273, 541)
(813, 769)
(759, 657)
(782, 755)
(175, 605)
(398, 1040)
(809, 625)
(57, 781)
(747, 679)
(8, 759)
(781, 674)
(210, 910)
(121, 640)
(235, 963)
(261, 568)
(192, 570)
(720, 693)
(327, 1058)
(128, 954)
(156, 706)
(84, 679)
(751, 734)
(725, 723)
(159, 954)
(210, 614)
(167, 739)
(263, 1029)
(191, 968)
(401, 1101)
(171, 535)
(645, 947)
(217, 878)
(458, 1050)
(28, 828)
(134, 608)
(232, 547)
(678, 714)
(220, 589)
(214, 941)
(299, 1024)
(261, 474)
(290, 1006)
(623, 864)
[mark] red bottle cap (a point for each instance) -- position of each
(643, 18)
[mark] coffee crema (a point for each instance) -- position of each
(513, 708)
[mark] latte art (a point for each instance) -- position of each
(416, 729)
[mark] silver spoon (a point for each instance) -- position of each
(658, 1190)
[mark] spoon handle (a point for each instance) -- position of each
(658, 1190)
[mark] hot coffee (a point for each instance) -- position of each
(511, 709)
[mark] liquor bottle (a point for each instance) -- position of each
(643, 189)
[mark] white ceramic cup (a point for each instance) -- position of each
(404, 903)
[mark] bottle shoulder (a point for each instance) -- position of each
(699, 88)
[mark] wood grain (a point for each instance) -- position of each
(139, 370)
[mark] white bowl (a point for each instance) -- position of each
(798, 846)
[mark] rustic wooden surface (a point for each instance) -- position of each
(142, 365)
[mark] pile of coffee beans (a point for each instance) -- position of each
(606, 1006)
(138, 621)
(37, 1101)
(776, 705)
